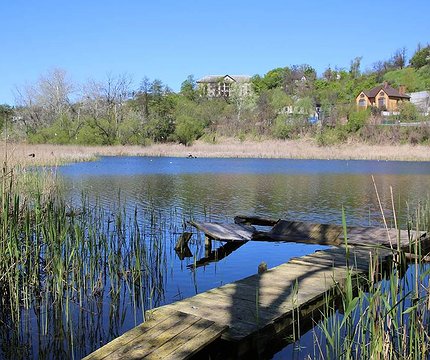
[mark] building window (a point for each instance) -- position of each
(381, 102)
(362, 103)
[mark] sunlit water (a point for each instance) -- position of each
(218, 189)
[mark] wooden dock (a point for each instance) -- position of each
(248, 313)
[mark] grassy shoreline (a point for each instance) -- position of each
(21, 153)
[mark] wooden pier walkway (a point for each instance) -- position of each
(255, 309)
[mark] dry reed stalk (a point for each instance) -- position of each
(226, 148)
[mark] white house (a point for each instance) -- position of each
(221, 85)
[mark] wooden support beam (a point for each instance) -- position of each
(208, 246)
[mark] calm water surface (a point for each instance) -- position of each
(218, 189)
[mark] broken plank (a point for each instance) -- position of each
(225, 232)
(254, 220)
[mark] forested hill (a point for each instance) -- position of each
(286, 102)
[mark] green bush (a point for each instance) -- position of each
(332, 136)
(188, 129)
(57, 133)
(356, 120)
(130, 132)
(282, 129)
(408, 112)
(88, 135)
(158, 129)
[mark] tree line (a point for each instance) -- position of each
(56, 110)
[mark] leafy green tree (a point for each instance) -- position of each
(356, 120)
(188, 129)
(159, 129)
(421, 57)
(274, 78)
(189, 88)
(257, 84)
(279, 99)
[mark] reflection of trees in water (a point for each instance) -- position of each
(307, 197)
(92, 278)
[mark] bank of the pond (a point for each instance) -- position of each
(30, 154)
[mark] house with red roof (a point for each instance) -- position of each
(384, 97)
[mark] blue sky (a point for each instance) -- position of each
(169, 40)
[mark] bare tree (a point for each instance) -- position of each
(42, 103)
(399, 58)
(104, 102)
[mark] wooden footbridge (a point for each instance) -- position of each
(252, 311)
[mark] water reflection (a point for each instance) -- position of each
(317, 198)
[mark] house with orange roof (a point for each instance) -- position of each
(384, 97)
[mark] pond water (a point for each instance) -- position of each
(181, 189)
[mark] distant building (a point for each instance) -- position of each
(221, 85)
(421, 100)
(384, 97)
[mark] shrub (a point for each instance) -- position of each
(188, 129)
(332, 136)
(356, 120)
(281, 129)
(57, 133)
(88, 135)
(408, 112)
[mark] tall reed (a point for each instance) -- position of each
(386, 318)
(67, 265)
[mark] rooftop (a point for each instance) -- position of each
(389, 90)
(216, 78)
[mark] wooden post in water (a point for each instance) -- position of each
(183, 241)
(208, 246)
(181, 247)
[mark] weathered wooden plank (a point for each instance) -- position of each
(195, 344)
(189, 341)
(226, 310)
(225, 232)
(143, 345)
(157, 321)
(296, 231)
(380, 236)
(301, 232)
